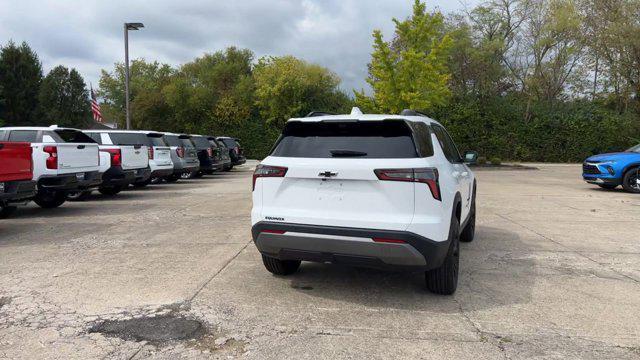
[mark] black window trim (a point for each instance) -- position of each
(460, 160)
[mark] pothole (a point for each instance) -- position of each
(4, 301)
(152, 329)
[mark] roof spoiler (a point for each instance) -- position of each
(409, 112)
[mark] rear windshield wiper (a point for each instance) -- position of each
(347, 153)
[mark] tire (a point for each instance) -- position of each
(280, 267)
(172, 178)
(444, 280)
(469, 232)
(50, 199)
(629, 182)
(6, 211)
(78, 195)
(187, 175)
(110, 191)
(197, 175)
(156, 180)
(608, 186)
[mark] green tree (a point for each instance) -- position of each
(64, 99)
(411, 71)
(20, 77)
(148, 105)
(289, 87)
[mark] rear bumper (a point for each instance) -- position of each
(15, 191)
(161, 173)
(115, 176)
(142, 175)
(70, 182)
(239, 161)
(349, 246)
(186, 169)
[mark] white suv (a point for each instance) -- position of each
(383, 191)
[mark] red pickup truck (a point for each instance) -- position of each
(16, 173)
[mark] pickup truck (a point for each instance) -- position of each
(64, 160)
(16, 174)
(129, 157)
(183, 155)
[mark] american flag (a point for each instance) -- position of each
(95, 107)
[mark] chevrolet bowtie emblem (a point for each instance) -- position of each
(328, 174)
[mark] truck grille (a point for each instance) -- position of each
(590, 169)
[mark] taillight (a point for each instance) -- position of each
(180, 151)
(150, 152)
(280, 232)
(236, 150)
(268, 171)
(52, 160)
(116, 156)
(210, 152)
(427, 176)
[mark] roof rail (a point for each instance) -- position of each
(409, 112)
(319, 113)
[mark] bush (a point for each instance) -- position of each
(495, 161)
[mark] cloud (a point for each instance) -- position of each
(88, 34)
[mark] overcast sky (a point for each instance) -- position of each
(87, 35)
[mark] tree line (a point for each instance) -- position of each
(530, 80)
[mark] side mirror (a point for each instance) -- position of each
(470, 157)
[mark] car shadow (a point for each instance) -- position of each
(488, 279)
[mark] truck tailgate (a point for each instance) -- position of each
(15, 161)
(78, 157)
(134, 157)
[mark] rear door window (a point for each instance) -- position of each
(389, 139)
(23, 136)
(173, 140)
(96, 137)
(446, 142)
(186, 142)
(230, 143)
(157, 139)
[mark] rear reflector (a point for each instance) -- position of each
(389, 241)
(274, 231)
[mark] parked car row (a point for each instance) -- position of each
(50, 165)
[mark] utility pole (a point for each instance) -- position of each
(127, 27)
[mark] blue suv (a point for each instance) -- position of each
(611, 170)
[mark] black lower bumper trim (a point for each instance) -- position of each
(17, 191)
(433, 251)
(116, 176)
(70, 182)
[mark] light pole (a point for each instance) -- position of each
(127, 27)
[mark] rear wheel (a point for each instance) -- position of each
(6, 211)
(142, 184)
(197, 174)
(608, 186)
(444, 280)
(187, 175)
(50, 199)
(630, 181)
(78, 195)
(110, 191)
(280, 267)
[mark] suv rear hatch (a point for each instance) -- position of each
(330, 176)
(133, 149)
(161, 154)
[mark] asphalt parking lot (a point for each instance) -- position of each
(554, 273)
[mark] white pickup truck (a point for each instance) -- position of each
(64, 160)
(129, 159)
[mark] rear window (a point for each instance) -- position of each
(359, 139)
(74, 136)
(201, 142)
(156, 140)
(186, 142)
(213, 143)
(230, 143)
(129, 139)
(172, 140)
